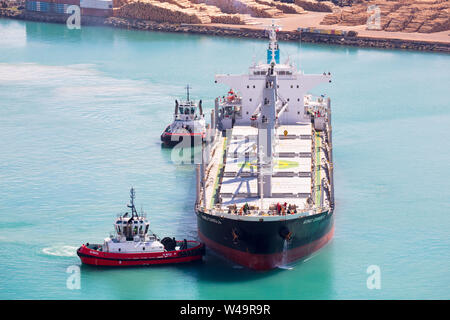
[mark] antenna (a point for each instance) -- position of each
(132, 196)
(187, 91)
(273, 51)
(131, 205)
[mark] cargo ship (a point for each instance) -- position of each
(265, 190)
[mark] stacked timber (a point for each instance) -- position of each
(226, 18)
(284, 7)
(314, 5)
(424, 16)
(440, 23)
(400, 19)
(119, 3)
(250, 7)
(217, 16)
(161, 12)
(177, 11)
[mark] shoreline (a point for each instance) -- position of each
(237, 32)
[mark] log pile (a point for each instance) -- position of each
(314, 5)
(399, 19)
(284, 7)
(120, 3)
(250, 7)
(217, 16)
(176, 11)
(440, 23)
(161, 12)
(423, 16)
(228, 18)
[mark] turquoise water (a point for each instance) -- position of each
(81, 112)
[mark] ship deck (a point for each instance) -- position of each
(292, 171)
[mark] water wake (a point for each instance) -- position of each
(61, 251)
(284, 261)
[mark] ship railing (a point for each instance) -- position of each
(224, 102)
(261, 213)
(313, 165)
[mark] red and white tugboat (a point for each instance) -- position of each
(188, 126)
(134, 245)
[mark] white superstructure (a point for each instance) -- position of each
(292, 86)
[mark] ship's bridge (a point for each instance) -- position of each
(292, 86)
(280, 69)
(131, 227)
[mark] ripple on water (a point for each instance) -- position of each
(61, 251)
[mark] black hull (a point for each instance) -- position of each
(262, 245)
(172, 140)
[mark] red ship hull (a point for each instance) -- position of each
(100, 258)
(263, 262)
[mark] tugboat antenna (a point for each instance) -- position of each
(187, 91)
(131, 205)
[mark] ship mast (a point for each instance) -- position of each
(267, 119)
(187, 91)
(131, 205)
(273, 53)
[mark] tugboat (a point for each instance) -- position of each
(188, 127)
(135, 245)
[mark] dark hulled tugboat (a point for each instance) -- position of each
(134, 245)
(188, 126)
